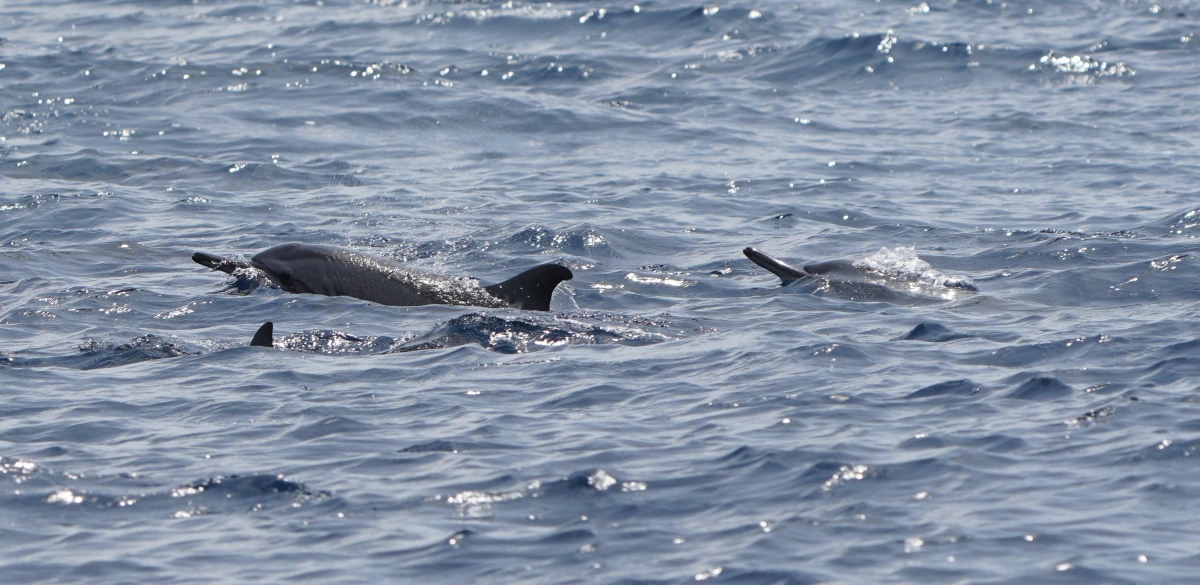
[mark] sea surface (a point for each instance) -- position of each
(678, 416)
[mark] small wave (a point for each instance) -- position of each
(880, 58)
(87, 165)
(523, 335)
(1082, 66)
(95, 354)
(481, 503)
(130, 491)
(935, 332)
(1093, 417)
(18, 470)
(234, 493)
(334, 343)
(951, 388)
(1168, 449)
(593, 481)
(1180, 225)
(30, 202)
(452, 446)
(246, 280)
(244, 486)
(1042, 388)
(509, 335)
(584, 241)
(1059, 352)
(333, 425)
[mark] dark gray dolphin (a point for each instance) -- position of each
(334, 271)
(841, 270)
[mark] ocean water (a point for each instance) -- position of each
(678, 416)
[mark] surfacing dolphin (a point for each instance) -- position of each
(841, 270)
(335, 271)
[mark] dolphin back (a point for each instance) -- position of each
(531, 290)
(786, 272)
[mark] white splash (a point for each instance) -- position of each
(903, 264)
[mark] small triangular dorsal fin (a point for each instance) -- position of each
(226, 265)
(786, 272)
(265, 336)
(531, 290)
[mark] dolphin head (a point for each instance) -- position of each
(297, 268)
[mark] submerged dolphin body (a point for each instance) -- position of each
(335, 271)
(840, 270)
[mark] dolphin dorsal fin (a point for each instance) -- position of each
(786, 272)
(226, 265)
(265, 336)
(531, 290)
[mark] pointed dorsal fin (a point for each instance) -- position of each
(226, 265)
(531, 290)
(265, 336)
(786, 272)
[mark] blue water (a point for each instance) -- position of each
(678, 416)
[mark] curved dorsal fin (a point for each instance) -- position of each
(786, 272)
(265, 336)
(531, 290)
